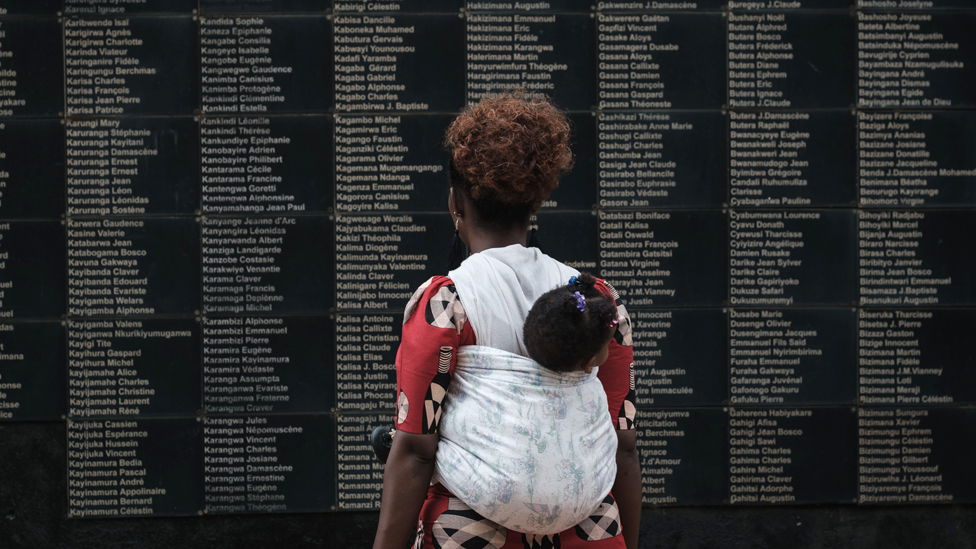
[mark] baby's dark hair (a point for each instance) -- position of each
(560, 336)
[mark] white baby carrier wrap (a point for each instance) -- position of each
(523, 446)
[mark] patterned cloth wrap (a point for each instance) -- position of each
(524, 446)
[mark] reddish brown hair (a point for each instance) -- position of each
(508, 153)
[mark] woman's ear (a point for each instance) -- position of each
(455, 203)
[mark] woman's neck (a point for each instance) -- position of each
(478, 235)
(481, 240)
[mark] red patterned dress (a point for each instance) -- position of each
(435, 325)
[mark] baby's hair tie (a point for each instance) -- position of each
(580, 301)
(612, 323)
(572, 280)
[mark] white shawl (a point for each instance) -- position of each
(498, 287)
(523, 446)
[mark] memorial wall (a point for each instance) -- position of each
(213, 212)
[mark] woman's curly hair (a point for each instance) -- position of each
(508, 153)
(560, 336)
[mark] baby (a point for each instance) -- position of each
(570, 328)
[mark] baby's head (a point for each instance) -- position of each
(569, 328)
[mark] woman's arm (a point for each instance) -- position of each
(627, 485)
(433, 328)
(405, 482)
(617, 375)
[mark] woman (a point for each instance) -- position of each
(507, 155)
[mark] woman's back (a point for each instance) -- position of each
(499, 286)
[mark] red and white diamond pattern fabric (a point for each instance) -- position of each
(461, 528)
(604, 523)
(445, 310)
(541, 541)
